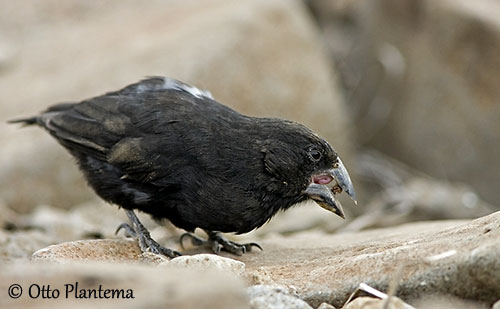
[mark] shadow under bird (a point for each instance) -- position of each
(170, 150)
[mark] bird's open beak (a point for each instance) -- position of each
(325, 185)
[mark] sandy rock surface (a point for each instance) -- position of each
(111, 250)
(375, 303)
(444, 257)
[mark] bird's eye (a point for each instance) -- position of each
(314, 154)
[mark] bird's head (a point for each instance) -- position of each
(302, 160)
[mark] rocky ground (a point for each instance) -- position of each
(303, 270)
(378, 79)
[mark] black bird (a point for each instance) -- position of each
(170, 150)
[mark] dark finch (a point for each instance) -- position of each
(170, 150)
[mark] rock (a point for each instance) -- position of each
(8, 218)
(449, 257)
(423, 78)
(261, 57)
(448, 302)
(151, 287)
(92, 219)
(21, 244)
(376, 303)
(153, 258)
(274, 297)
(454, 258)
(209, 261)
(326, 306)
(127, 250)
(496, 305)
(408, 195)
(47, 225)
(111, 250)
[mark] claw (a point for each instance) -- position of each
(253, 244)
(195, 240)
(216, 247)
(129, 231)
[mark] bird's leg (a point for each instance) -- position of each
(218, 242)
(139, 232)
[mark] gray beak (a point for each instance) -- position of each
(324, 193)
(341, 176)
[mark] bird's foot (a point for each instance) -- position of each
(218, 242)
(146, 243)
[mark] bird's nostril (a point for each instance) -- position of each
(322, 179)
(336, 189)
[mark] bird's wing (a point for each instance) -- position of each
(113, 129)
(91, 127)
(146, 160)
(144, 129)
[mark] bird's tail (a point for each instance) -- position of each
(39, 119)
(25, 121)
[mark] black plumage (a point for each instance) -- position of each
(170, 150)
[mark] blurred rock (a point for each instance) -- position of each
(22, 244)
(302, 217)
(408, 195)
(448, 302)
(496, 305)
(420, 199)
(422, 79)
(24, 234)
(375, 303)
(151, 287)
(261, 57)
(8, 218)
(325, 306)
(93, 219)
(209, 261)
(274, 297)
(441, 257)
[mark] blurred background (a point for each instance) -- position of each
(407, 91)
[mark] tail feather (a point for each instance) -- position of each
(37, 119)
(25, 121)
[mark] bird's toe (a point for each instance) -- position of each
(129, 231)
(231, 246)
(249, 246)
(216, 247)
(195, 240)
